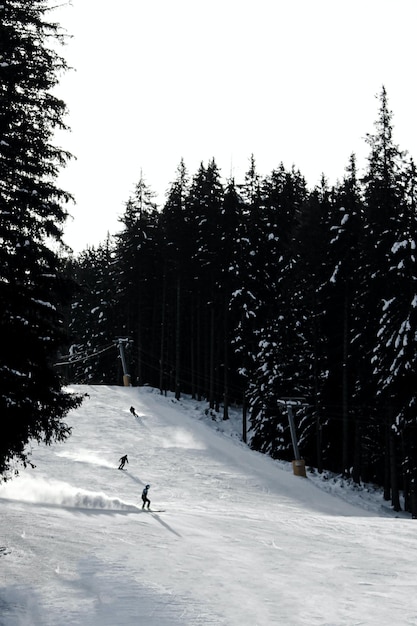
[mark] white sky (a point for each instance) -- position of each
(292, 81)
(240, 540)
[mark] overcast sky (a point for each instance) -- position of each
(290, 81)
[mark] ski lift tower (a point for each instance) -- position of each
(298, 464)
(121, 345)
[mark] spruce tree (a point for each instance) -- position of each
(204, 208)
(228, 281)
(311, 349)
(277, 360)
(176, 269)
(385, 229)
(138, 265)
(340, 288)
(248, 267)
(395, 351)
(93, 317)
(32, 287)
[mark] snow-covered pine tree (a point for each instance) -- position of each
(340, 289)
(395, 352)
(277, 366)
(387, 227)
(93, 319)
(204, 205)
(311, 350)
(248, 269)
(32, 286)
(230, 219)
(138, 284)
(176, 268)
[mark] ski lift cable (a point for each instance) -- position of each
(85, 358)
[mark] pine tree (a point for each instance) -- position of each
(277, 360)
(177, 244)
(138, 260)
(204, 209)
(32, 287)
(93, 317)
(230, 220)
(248, 296)
(395, 352)
(312, 235)
(385, 229)
(339, 289)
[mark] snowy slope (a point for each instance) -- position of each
(240, 540)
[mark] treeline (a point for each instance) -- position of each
(264, 290)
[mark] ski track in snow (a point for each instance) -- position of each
(234, 539)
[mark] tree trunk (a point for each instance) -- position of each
(139, 377)
(178, 342)
(226, 361)
(387, 461)
(199, 350)
(192, 350)
(319, 442)
(394, 474)
(211, 374)
(161, 351)
(413, 498)
(244, 419)
(345, 411)
(357, 453)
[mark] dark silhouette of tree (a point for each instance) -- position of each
(248, 268)
(340, 289)
(385, 228)
(33, 289)
(177, 246)
(94, 317)
(138, 281)
(228, 282)
(204, 207)
(278, 330)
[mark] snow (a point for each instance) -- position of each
(235, 538)
(43, 303)
(400, 244)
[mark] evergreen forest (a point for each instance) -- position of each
(265, 294)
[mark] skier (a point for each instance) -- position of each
(132, 410)
(145, 498)
(123, 460)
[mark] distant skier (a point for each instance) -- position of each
(123, 460)
(145, 498)
(132, 410)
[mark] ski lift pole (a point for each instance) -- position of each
(126, 376)
(298, 464)
(293, 433)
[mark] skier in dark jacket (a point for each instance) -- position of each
(123, 460)
(145, 498)
(132, 410)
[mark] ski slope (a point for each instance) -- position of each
(238, 540)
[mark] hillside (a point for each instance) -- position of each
(235, 538)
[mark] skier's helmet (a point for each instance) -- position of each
(147, 486)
